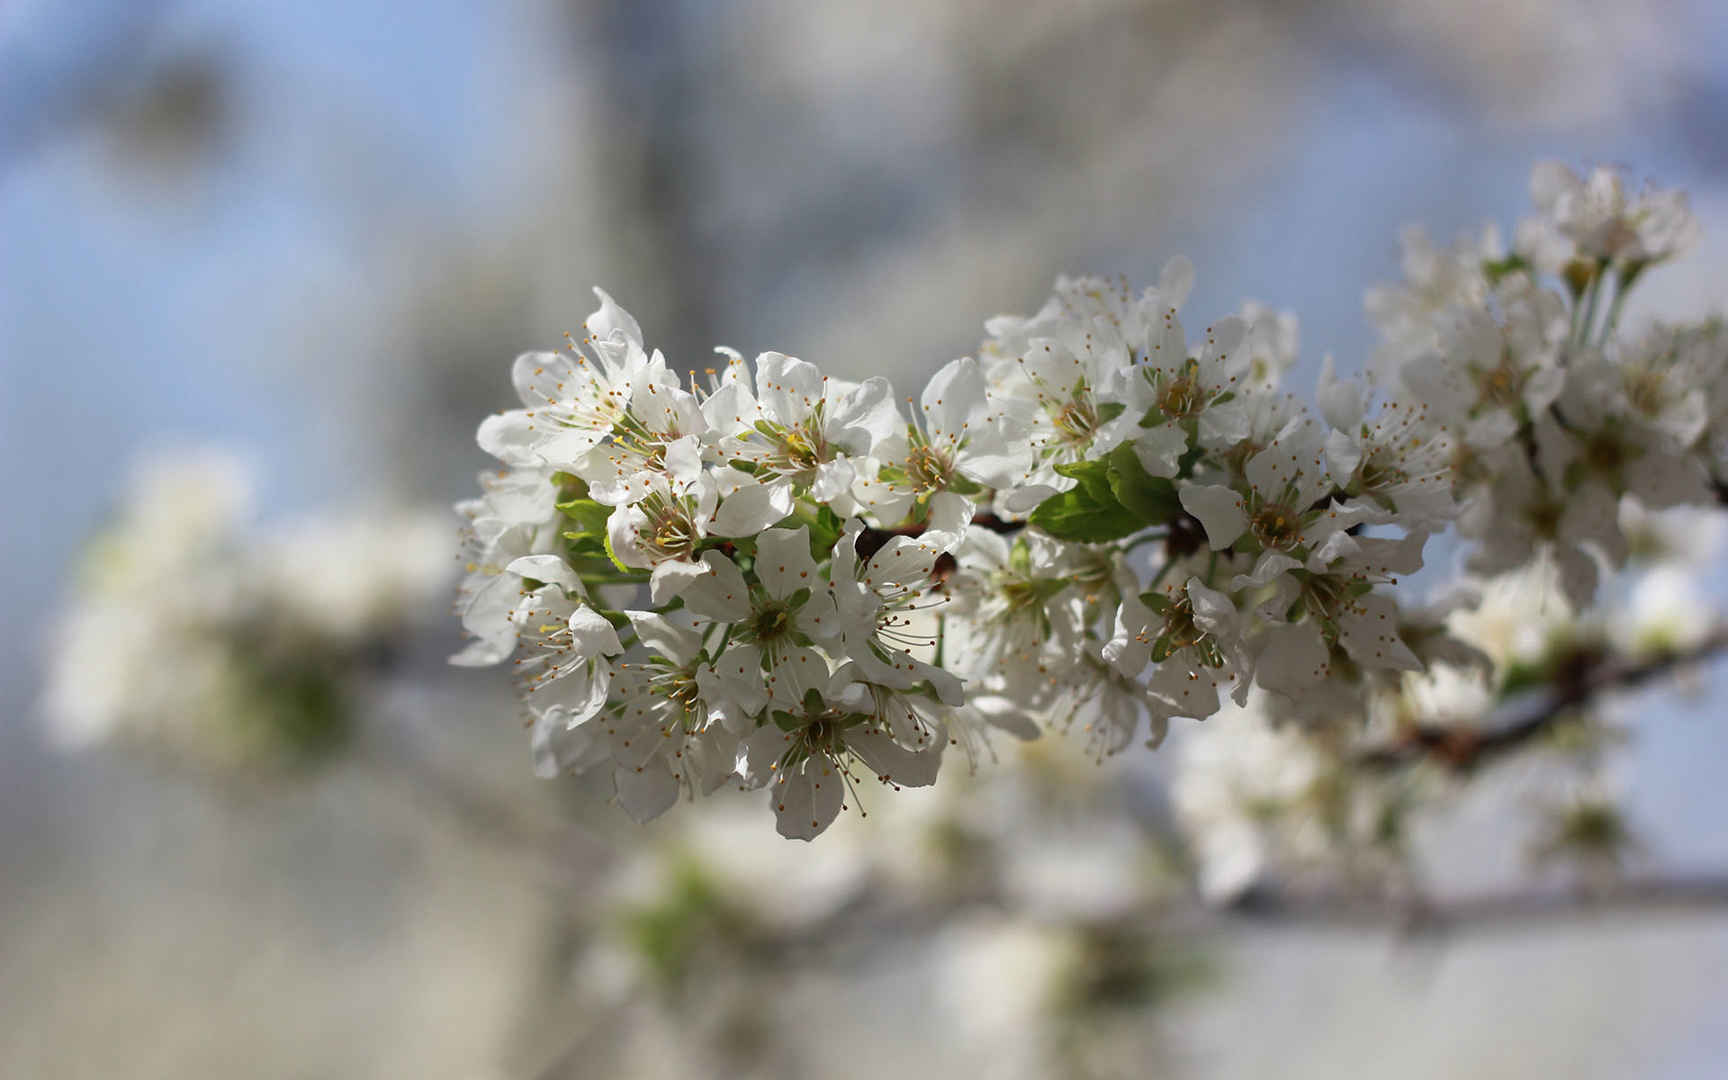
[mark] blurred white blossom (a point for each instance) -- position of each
(193, 632)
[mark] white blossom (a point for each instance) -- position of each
(1604, 222)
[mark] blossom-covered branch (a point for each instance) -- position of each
(775, 578)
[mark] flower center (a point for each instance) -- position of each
(1605, 452)
(1277, 527)
(1502, 385)
(670, 534)
(928, 467)
(1644, 390)
(800, 448)
(1077, 420)
(1181, 631)
(1323, 595)
(1180, 397)
(679, 687)
(1380, 470)
(772, 622)
(1544, 517)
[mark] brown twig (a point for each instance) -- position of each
(1576, 683)
(871, 540)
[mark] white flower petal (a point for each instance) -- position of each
(1219, 509)
(1291, 658)
(1160, 450)
(592, 635)
(645, 792)
(662, 637)
(783, 562)
(751, 508)
(670, 579)
(720, 592)
(807, 799)
(550, 569)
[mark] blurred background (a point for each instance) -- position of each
(316, 233)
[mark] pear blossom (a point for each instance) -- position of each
(801, 429)
(1484, 376)
(1178, 392)
(1397, 460)
(1524, 516)
(1057, 401)
(783, 612)
(1436, 281)
(659, 432)
(515, 517)
(823, 729)
(1604, 222)
(886, 611)
(1281, 508)
(571, 400)
(567, 642)
(1106, 705)
(951, 449)
(664, 528)
(1013, 605)
(1193, 635)
(1593, 438)
(1273, 344)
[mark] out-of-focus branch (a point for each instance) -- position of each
(871, 919)
(1654, 895)
(1575, 684)
(476, 812)
(500, 823)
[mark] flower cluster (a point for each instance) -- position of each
(776, 578)
(191, 636)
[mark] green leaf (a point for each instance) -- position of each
(1152, 499)
(1085, 471)
(1495, 269)
(1185, 464)
(570, 486)
(587, 516)
(824, 524)
(825, 532)
(1081, 515)
(1094, 478)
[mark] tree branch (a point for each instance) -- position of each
(871, 918)
(1505, 909)
(1576, 683)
